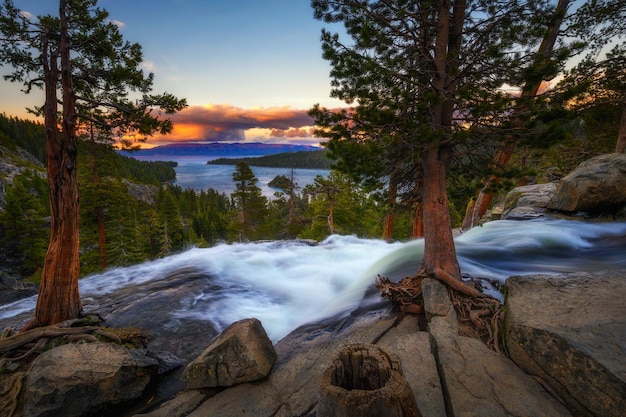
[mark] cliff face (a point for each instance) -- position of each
(15, 162)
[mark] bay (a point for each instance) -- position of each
(193, 172)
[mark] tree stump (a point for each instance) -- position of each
(365, 381)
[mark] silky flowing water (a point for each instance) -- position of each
(184, 300)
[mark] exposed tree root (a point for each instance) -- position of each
(10, 388)
(480, 315)
(480, 318)
(407, 293)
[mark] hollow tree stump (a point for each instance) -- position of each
(365, 381)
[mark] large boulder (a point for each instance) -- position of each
(596, 186)
(528, 201)
(241, 353)
(81, 379)
(570, 331)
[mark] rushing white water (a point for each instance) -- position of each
(286, 284)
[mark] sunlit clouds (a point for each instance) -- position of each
(226, 123)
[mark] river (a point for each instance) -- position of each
(286, 284)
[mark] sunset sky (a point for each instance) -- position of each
(249, 69)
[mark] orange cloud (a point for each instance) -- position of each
(214, 123)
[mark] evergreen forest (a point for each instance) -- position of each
(131, 213)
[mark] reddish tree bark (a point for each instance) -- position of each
(530, 89)
(439, 250)
(59, 298)
(417, 229)
(388, 224)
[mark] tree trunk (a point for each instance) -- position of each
(391, 203)
(530, 89)
(331, 215)
(58, 298)
(439, 250)
(365, 381)
(417, 229)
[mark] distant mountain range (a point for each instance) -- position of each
(219, 149)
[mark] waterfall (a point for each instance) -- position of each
(286, 284)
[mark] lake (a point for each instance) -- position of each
(193, 172)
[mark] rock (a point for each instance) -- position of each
(179, 406)
(167, 361)
(13, 288)
(528, 201)
(241, 353)
(364, 380)
(596, 186)
(292, 388)
(570, 331)
(80, 379)
(450, 375)
(412, 346)
(476, 378)
(142, 192)
(13, 163)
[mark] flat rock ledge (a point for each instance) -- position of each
(566, 335)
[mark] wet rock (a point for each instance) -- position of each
(78, 379)
(569, 330)
(241, 353)
(13, 288)
(596, 186)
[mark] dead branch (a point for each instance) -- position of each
(17, 341)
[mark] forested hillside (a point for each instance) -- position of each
(301, 159)
(131, 213)
(119, 229)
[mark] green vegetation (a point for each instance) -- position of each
(301, 159)
(388, 154)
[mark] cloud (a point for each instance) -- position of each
(292, 133)
(117, 23)
(212, 123)
(27, 15)
(148, 66)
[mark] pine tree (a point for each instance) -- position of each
(427, 77)
(250, 204)
(82, 63)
